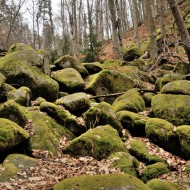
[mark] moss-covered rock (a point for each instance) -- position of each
(21, 96)
(133, 122)
(173, 108)
(130, 101)
(38, 101)
(69, 80)
(162, 133)
(148, 98)
(132, 54)
(127, 163)
(63, 117)
(153, 171)
(4, 90)
(14, 112)
(99, 143)
(160, 184)
(108, 82)
(11, 134)
(108, 182)
(140, 63)
(113, 64)
(101, 114)
(67, 61)
(47, 133)
(183, 133)
(76, 103)
(182, 68)
(93, 67)
(18, 47)
(2, 80)
(19, 73)
(177, 87)
(139, 150)
(15, 163)
(38, 58)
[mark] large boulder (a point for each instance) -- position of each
(162, 133)
(18, 72)
(93, 67)
(173, 108)
(183, 133)
(177, 87)
(63, 117)
(18, 47)
(132, 53)
(11, 134)
(108, 182)
(108, 82)
(15, 163)
(76, 103)
(68, 61)
(69, 80)
(101, 114)
(130, 101)
(46, 133)
(99, 143)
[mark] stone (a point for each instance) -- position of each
(93, 68)
(18, 47)
(4, 89)
(99, 143)
(132, 53)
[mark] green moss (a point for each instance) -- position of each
(14, 112)
(101, 114)
(69, 79)
(140, 63)
(160, 184)
(187, 169)
(144, 46)
(153, 171)
(183, 133)
(18, 47)
(130, 101)
(139, 150)
(113, 64)
(132, 54)
(38, 101)
(111, 181)
(15, 163)
(99, 143)
(10, 134)
(182, 68)
(148, 98)
(47, 129)
(63, 117)
(127, 163)
(133, 122)
(2, 79)
(173, 108)
(93, 67)
(4, 89)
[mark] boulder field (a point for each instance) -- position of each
(98, 108)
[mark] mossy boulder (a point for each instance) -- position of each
(38, 101)
(133, 122)
(4, 90)
(68, 61)
(18, 47)
(63, 117)
(148, 98)
(38, 58)
(182, 68)
(113, 64)
(92, 68)
(14, 112)
(15, 163)
(2, 79)
(153, 171)
(108, 182)
(11, 134)
(161, 184)
(101, 114)
(183, 133)
(69, 80)
(76, 103)
(130, 101)
(21, 96)
(162, 133)
(140, 63)
(132, 53)
(173, 108)
(108, 82)
(139, 150)
(47, 133)
(177, 87)
(19, 73)
(127, 163)
(99, 143)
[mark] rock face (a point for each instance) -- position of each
(173, 108)
(108, 82)
(20, 73)
(11, 134)
(99, 143)
(108, 182)
(101, 114)
(130, 101)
